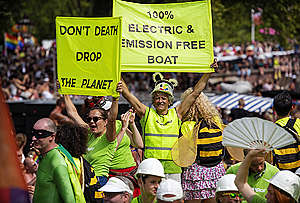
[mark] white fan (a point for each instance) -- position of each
(256, 133)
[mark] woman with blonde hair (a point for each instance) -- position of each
(199, 180)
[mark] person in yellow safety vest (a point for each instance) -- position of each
(287, 158)
(149, 173)
(160, 124)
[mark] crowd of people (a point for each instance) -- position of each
(177, 155)
(89, 156)
(29, 74)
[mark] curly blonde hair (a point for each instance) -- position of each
(202, 108)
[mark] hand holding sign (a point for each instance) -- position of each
(88, 55)
(172, 37)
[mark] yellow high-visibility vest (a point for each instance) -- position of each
(160, 133)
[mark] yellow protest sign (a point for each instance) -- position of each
(88, 55)
(172, 37)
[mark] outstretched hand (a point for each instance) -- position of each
(131, 115)
(125, 119)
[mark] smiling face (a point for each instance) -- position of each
(161, 102)
(97, 122)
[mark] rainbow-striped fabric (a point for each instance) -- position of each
(11, 41)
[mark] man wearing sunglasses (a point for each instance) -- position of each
(53, 182)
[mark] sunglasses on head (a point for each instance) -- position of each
(41, 133)
(92, 102)
(95, 119)
(231, 195)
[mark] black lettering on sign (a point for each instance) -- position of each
(162, 60)
(170, 30)
(75, 30)
(68, 82)
(190, 44)
(96, 84)
(106, 30)
(88, 56)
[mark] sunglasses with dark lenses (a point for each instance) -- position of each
(95, 119)
(231, 195)
(41, 133)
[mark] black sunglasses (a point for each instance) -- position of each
(233, 195)
(95, 119)
(41, 133)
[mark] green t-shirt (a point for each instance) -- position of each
(100, 152)
(139, 200)
(257, 182)
(123, 157)
(258, 199)
(53, 183)
(169, 166)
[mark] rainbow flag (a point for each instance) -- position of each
(13, 188)
(11, 41)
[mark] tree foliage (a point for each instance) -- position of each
(231, 18)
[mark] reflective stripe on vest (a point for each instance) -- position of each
(288, 157)
(288, 166)
(160, 134)
(209, 145)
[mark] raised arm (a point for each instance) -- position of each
(135, 136)
(137, 105)
(190, 99)
(184, 106)
(241, 180)
(59, 117)
(111, 120)
(73, 113)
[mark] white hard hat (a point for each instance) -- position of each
(151, 166)
(288, 182)
(226, 183)
(116, 185)
(298, 171)
(169, 190)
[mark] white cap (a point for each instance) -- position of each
(288, 182)
(116, 185)
(152, 167)
(298, 171)
(169, 190)
(226, 183)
